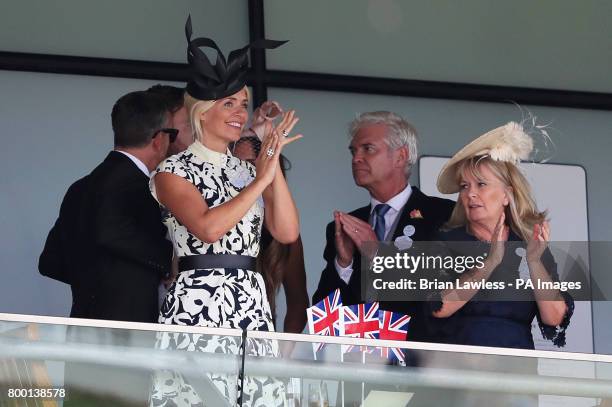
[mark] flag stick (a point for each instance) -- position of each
(362, 383)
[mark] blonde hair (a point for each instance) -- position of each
(522, 213)
(196, 107)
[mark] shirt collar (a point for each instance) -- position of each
(208, 155)
(138, 163)
(397, 202)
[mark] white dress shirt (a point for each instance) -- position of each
(138, 163)
(396, 203)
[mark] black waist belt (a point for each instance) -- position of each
(216, 261)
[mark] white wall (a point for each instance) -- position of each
(559, 44)
(149, 30)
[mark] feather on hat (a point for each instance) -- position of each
(507, 143)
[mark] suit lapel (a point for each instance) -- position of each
(362, 213)
(416, 201)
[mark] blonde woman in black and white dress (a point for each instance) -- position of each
(214, 206)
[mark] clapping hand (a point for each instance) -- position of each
(351, 232)
(498, 241)
(275, 138)
(284, 127)
(538, 242)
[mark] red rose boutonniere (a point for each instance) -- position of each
(416, 214)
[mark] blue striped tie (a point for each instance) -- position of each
(379, 228)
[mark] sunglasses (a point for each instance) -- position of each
(172, 133)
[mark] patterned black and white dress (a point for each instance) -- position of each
(227, 298)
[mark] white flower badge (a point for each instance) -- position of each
(404, 242)
(239, 176)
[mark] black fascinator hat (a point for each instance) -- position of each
(225, 77)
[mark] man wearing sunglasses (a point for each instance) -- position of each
(109, 243)
(180, 117)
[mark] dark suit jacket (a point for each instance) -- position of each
(109, 244)
(435, 212)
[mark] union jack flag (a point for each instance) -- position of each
(360, 321)
(324, 317)
(393, 326)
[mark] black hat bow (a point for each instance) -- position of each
(225, 77)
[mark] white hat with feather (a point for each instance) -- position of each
(507, 143)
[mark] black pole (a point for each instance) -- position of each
(241, 373)
(258, 56)
(165, 71)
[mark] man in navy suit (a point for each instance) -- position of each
(108, 242)
(384, 149)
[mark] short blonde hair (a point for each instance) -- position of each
(196, 107)
(522, 213)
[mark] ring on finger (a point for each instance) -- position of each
(285, 133)
(270, 152)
